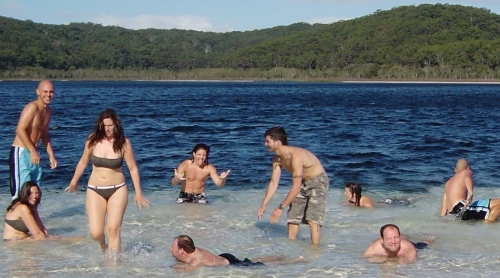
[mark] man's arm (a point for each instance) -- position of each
(179, 173)
(220, 181)
(444, 204)
(370, 250)
(271, 188)
(469, 184)
(410, 252)
(297, 168)
(48, 145)
(183, 267)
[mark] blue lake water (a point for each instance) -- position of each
(394, 139)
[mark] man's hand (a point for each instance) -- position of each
(260, 212)
(35, 158)
(53, 162)
(275, 215)
(179, 176)
(224, 175)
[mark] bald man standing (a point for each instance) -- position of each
(33, 126)
(458, 193)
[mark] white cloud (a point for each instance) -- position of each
(155, 21)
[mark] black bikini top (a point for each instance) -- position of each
(17, 225)
(111, 163)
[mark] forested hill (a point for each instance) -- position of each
(411, 42)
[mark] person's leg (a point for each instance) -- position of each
(494, 210)
(117, 204)
(295, 215)
(96, 212)
(282, 259)
(315, 232)
(293, 230)
(20, 169)
(315, 208)
(36, 174)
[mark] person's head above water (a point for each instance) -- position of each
(462, 164)
(277, 133)
(202, 151)
(353, 190)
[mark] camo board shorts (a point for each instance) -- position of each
(310, 203)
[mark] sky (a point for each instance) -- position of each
(207, 15)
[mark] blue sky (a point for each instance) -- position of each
(206, 15)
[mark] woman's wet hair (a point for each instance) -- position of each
(355, 189)
(99, 132)
(277, 133)
(198, 147)
(25, 194)
(186, 243)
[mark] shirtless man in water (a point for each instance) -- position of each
(458, 193)
(33, 126)
(307, 196)
(184, 251)
(391, 245)
(193, 173)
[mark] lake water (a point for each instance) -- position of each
(397, 140)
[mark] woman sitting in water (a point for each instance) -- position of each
(22, 219)
(353, 194)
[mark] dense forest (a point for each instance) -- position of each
(425, 42)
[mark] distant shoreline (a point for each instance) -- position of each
(493, 82)
(427, 82)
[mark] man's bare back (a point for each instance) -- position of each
(458, 188)
(311, 166)
(184, 251)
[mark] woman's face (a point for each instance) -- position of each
(348, 193)
(34, 195)
(109, 127)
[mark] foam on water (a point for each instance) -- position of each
(229, 224)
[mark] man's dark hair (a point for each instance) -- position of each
(277, 133)
(387, 226)
(186, 243)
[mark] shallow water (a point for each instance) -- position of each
(397, 140)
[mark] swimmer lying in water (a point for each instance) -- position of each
(191, 257)
(392, 245)
(352, 192)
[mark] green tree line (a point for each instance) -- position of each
(409, 42)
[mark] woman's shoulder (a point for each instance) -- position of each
(19, 208)
(366, 201)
